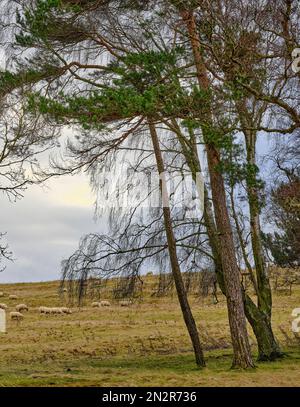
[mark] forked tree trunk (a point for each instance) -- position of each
(260, 315)
(263, 283)
(268, 346)
(236, 314)
(179, 284)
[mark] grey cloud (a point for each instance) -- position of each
(40, 235)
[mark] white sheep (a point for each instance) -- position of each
(61, 310)
(95, 304)
(17, 316)
(3, 306)
(105, 303)
(125, 303)
(41, 310)
(66, 310)
(1, 294)
(56, 310)
(22, 307)
(13, 297)
(44, 310)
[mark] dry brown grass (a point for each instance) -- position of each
(144, 344)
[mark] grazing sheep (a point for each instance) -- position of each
(13, 297)
(45, 310)
(105, 303)
(95, 304)
(125, 303)
(17, 316)
(22, 307)
(1, 294)
(56, 310)
(3, 306)
(66, 310)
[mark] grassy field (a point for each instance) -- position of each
(145, 344)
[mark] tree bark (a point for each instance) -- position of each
(260, 315)
(236, 314)
(268, 346)
(263, 283)
(179, 284)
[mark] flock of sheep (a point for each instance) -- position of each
(105, 303)
(18, 316)
(55, 310)
(14, 315)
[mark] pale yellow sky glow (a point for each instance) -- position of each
(45, 227)
(72, 191)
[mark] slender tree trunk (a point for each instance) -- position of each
(260, 316)
(179, 284)
(263, 283)
(236, 314)
(241, 240)
(268, 348)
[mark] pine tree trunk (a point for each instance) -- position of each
(267, 345)
(179, 284)
(236, 314)
(268, 348)
(263, 283)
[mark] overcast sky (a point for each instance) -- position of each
(45, 227)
